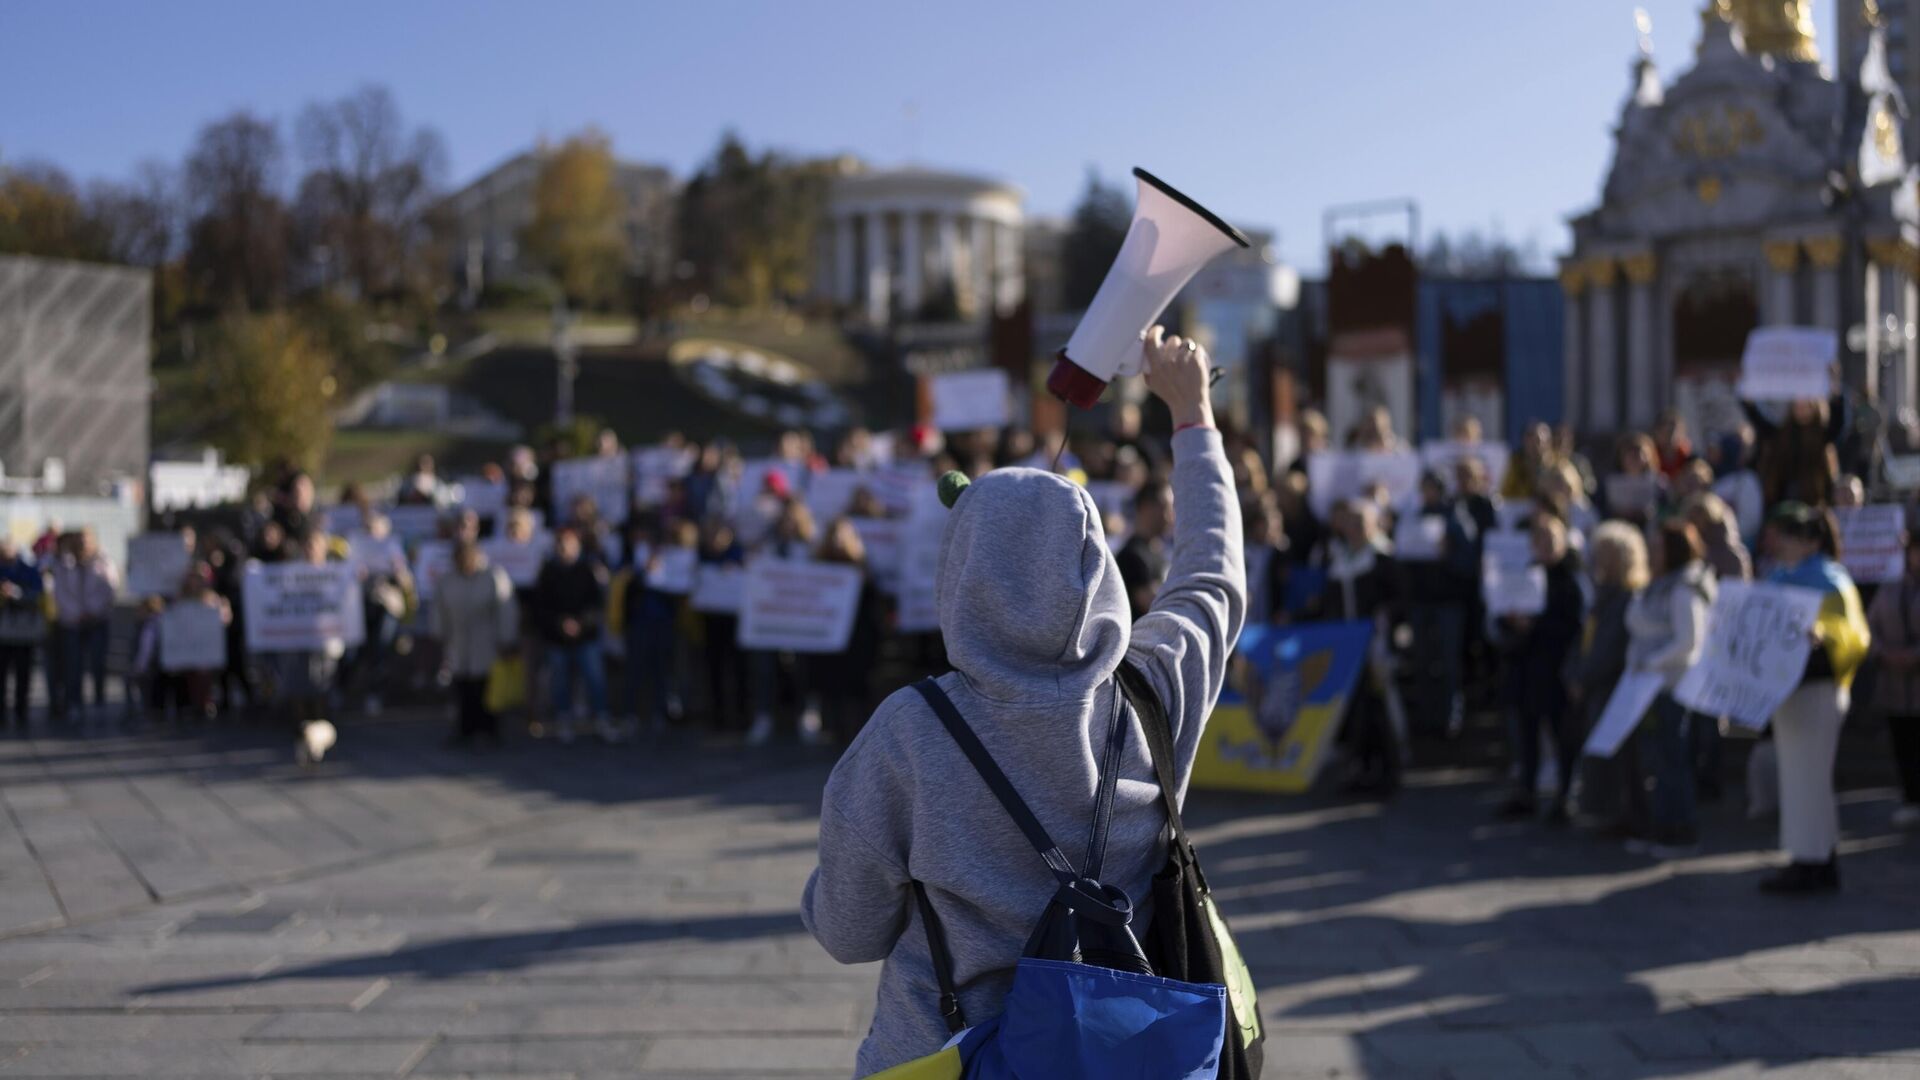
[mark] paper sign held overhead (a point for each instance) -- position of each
(969, 400)
(1788, 363)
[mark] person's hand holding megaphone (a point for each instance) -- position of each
(1176, 372)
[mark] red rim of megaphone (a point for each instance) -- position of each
(1074, 384)
(1209, 216)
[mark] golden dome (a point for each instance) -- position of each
(1775, 27)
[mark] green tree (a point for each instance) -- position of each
(575, 232)
(237, 245)
(747, 224)
(42, 214)
(268, 386)
(1099, 226)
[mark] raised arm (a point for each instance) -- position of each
(1182, 643)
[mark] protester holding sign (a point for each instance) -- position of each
(1618, 555)
(304, 672)
(716, 598)
(1804, 544)
(83, 581)
(792, 537)
(1796, 458)
(193, 640)
(1364, 583)
(1894, 619)
(1668, 624)
(652, 607)
(837, 683)
(1441, 588)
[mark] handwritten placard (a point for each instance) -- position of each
(1788, 363)
(1632, 696)
(718, 588)
(1333, 476)
(298, 607)
(1510, 582)
(1444, 456)
(1871, 546)
(793, 605)
(1756, 651)
(192, 638)
(671, 570)
(602, 479)
(157, 563)
(969, 400)
(520, 561)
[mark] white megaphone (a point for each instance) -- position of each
(1171, 239)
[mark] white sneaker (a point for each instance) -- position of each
(810, 728)
(316, 738)
(604, 728)
(1907, 816)
(564, 731)
(761, 733)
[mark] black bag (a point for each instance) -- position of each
(1188, 939)
(1086, 921)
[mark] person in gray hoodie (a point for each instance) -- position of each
(1036, 622)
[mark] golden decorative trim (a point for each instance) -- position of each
(1573, 279)
(1708, 189)
(1601, 271)
(1783, 255)
(1892, 252)
(1822, 251)
(1639, 267)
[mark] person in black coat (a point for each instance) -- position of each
(1364, 584)
(569, 601)
(1544, 642)
(1442, 564)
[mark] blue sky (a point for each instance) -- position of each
(1494, 114)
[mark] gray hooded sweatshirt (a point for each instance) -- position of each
(1036, 621)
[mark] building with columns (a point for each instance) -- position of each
(917, 245)
(1758, 188)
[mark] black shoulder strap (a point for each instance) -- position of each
(1159, 733)
(1103, 794)
(997, 781)
(942, 962)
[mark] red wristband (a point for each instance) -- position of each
(1191, 424)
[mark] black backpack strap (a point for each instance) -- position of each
(1159, 733)
(1103, 795)
(997, 781)
(942, 961)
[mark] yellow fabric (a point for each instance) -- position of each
(617, 603)
(507, 685)
(1843, 631)
(1241, 998)
(49, 605)
(945, 1065)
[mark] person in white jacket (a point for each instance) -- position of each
(1666, 632)
(478, 622)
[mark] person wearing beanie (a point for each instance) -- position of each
(1036, 622)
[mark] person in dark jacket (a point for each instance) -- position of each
(1441, 584)
(1363, 583)
(1618, 556)
(1544, 643)
(23, 625)
(1795, 458)
(569, 601)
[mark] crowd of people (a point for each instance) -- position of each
(1630, 553)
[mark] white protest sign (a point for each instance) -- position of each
(654, 468)
(882, 538)
(414, 521)
(375, 558)
(1513, 513)
(1788, 363)
(432, 560)
(919, 610)
(520, 561)
(602, 479)
(718, 588)
(1333, 476)
(156, 563)
(896, 485)
(342, 520)
(969, 400)
(488, 498)
(1870, 546)
(830, 493)
(1420, 537)
(1632, 495)
(1444, 456)
(192, 638)
(1903, 471)
(1510, 582)
(673, 570)
(298, 607)
(1756, 651)
(1632, 696)
(794, 605)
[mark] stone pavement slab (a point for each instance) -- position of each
(196, 905)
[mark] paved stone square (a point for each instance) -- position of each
(197, 906)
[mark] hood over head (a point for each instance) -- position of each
(1030, 598)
